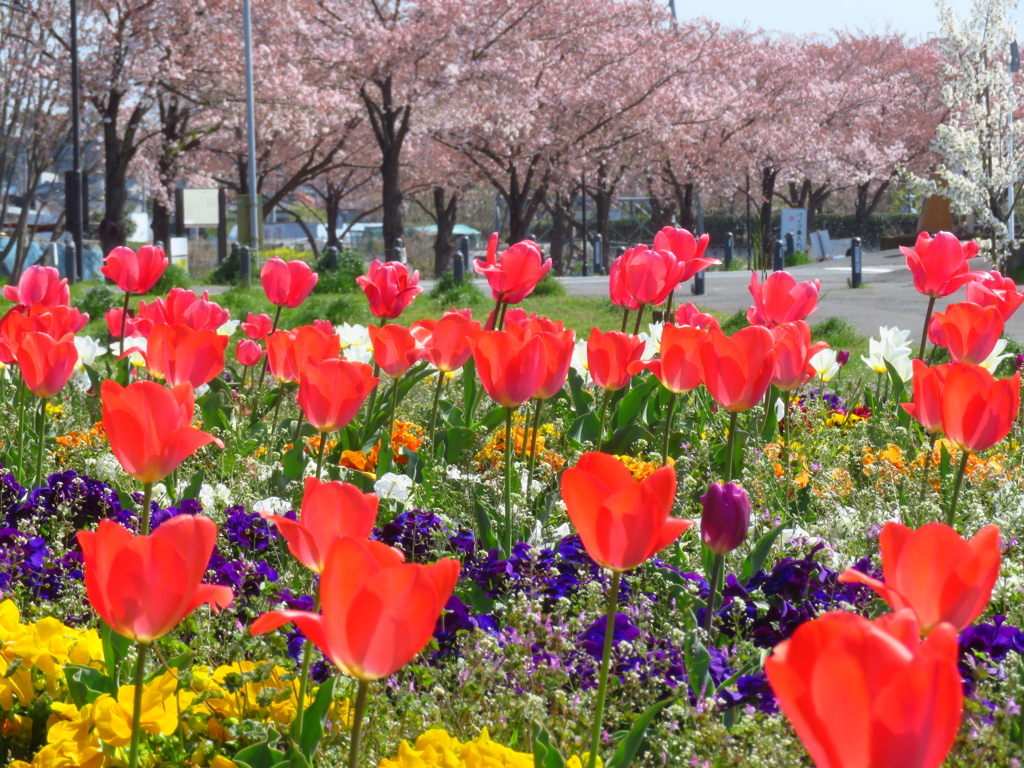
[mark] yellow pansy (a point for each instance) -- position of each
(113, 718)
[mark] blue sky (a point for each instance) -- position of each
(917, 18)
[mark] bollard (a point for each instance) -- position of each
(598, 256)
(698, 283)
(855, 265)
(69, 261)
(790, 244)
(460, 259)
(244, 262)
(780, 262)
(728, 250)
(332, 257)
(400, 254)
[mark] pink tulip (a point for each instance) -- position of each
(287, 284)
(781, 299)
(39, 285)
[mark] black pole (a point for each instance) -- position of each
(222, 225)
(728, 250)
(583, 192)
(74, 216)
(780, 262)
(855, 263)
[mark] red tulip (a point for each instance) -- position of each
(143, 586)
(135, 273)
(150, 427)
(689, 252)
(969, 331)
(678, 367)
(738, 369)
(939, 264)
(609, 356)
(394, 349)
(511, 366)
(248, 352)
(134, 326)
(781, 299)
(378, 611)
(617, 287)
(533, 323)
(54, 321)
(289, 351)
(994, 290)
(257, 327)
(558, 349)
(331, 392)
(928, 387)
(793, 352)
(287, 284)
(389, 288)
(621, 522)
(330, 511)
(516, 273)
(935, 573)
(46, 364)
(39, 286)
(870, 695)
(649, 276)
(177, 354)
(449, 342)
(688, 314)
(977, 410)
(182, 306)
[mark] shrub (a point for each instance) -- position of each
(549, 286)
(447, 292)
(173, 277)
(341, 279)
(98, 300)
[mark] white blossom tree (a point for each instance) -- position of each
(981, 144)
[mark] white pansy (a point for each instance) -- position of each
(88, 350)
(825, 364)
(228, 328)
(214, 497)
(138, 342)
(355, 342)
(655, 338)
(392, 486)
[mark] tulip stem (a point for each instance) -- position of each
(785, 449)
(320, 453)
(501, 320)
(266, 360)
(357, 724)
(433, 411)
(507, 491)
(298, 429)
(668, 428)
(667, 315)
(492, 319)
(140, 678)
(716, 577)
(625, 319)
(600, 417)
(124, 326)
(951, 514)
(927, 466)
(927, 319)
(41, 435)
(394, 410)
(147, 497)
(606, 658)
(533, 442)
(307, 658)
(21, 429)
(730, 446)
(373, 401)
(639, 317)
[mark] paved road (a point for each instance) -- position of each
(887, 298)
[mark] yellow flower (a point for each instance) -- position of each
(222, 762)
(437, 749)
(581, 762)
(113, 718)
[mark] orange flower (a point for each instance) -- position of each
(331, 392)
(394, 349)
(609, 357)
(378, 611)
(977, 410)
(928, 387)
(738, 369)
(178, 354)
(46, 364)
(678, 367)
(934, 572)
(511, 366)
(969, 331)
(621, 522)
(793, 352)
(143, 586)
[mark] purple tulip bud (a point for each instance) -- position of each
(726, 517)
(843, 357)
(1019, 360)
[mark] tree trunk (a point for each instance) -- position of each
(161, 224)
(560, 233)
(390, 124)
(662, 211)
(866, 203)
(392, 198)
(118, 151)
(444, 243)
(764, 224)
(332, 209)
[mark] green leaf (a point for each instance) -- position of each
(544, 754)
(632, 403)
(492, 418)
(585, 429)
(754, 562)
(582, 400)
(632, 745)
(898, 387)
(455, 440)
(261, 754)
(295, 462)
(192, 489)
(771, 424)
(86, 684)
(698, 661)
(483, 526)
(115, 651)
(314, 717)
(623, 438)
(214, 411)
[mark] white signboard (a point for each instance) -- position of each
(795, 220)
(200, 207)
(179, 252)
(822, 245)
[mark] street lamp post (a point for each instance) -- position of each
(250, 119)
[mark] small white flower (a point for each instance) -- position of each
(825, 364)
(271, 504)
(579, 361)
(992, 362)
(88, 350)
(392, 486)
(139, 342)
(892, 348)
(228, 328)
(655, 338)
